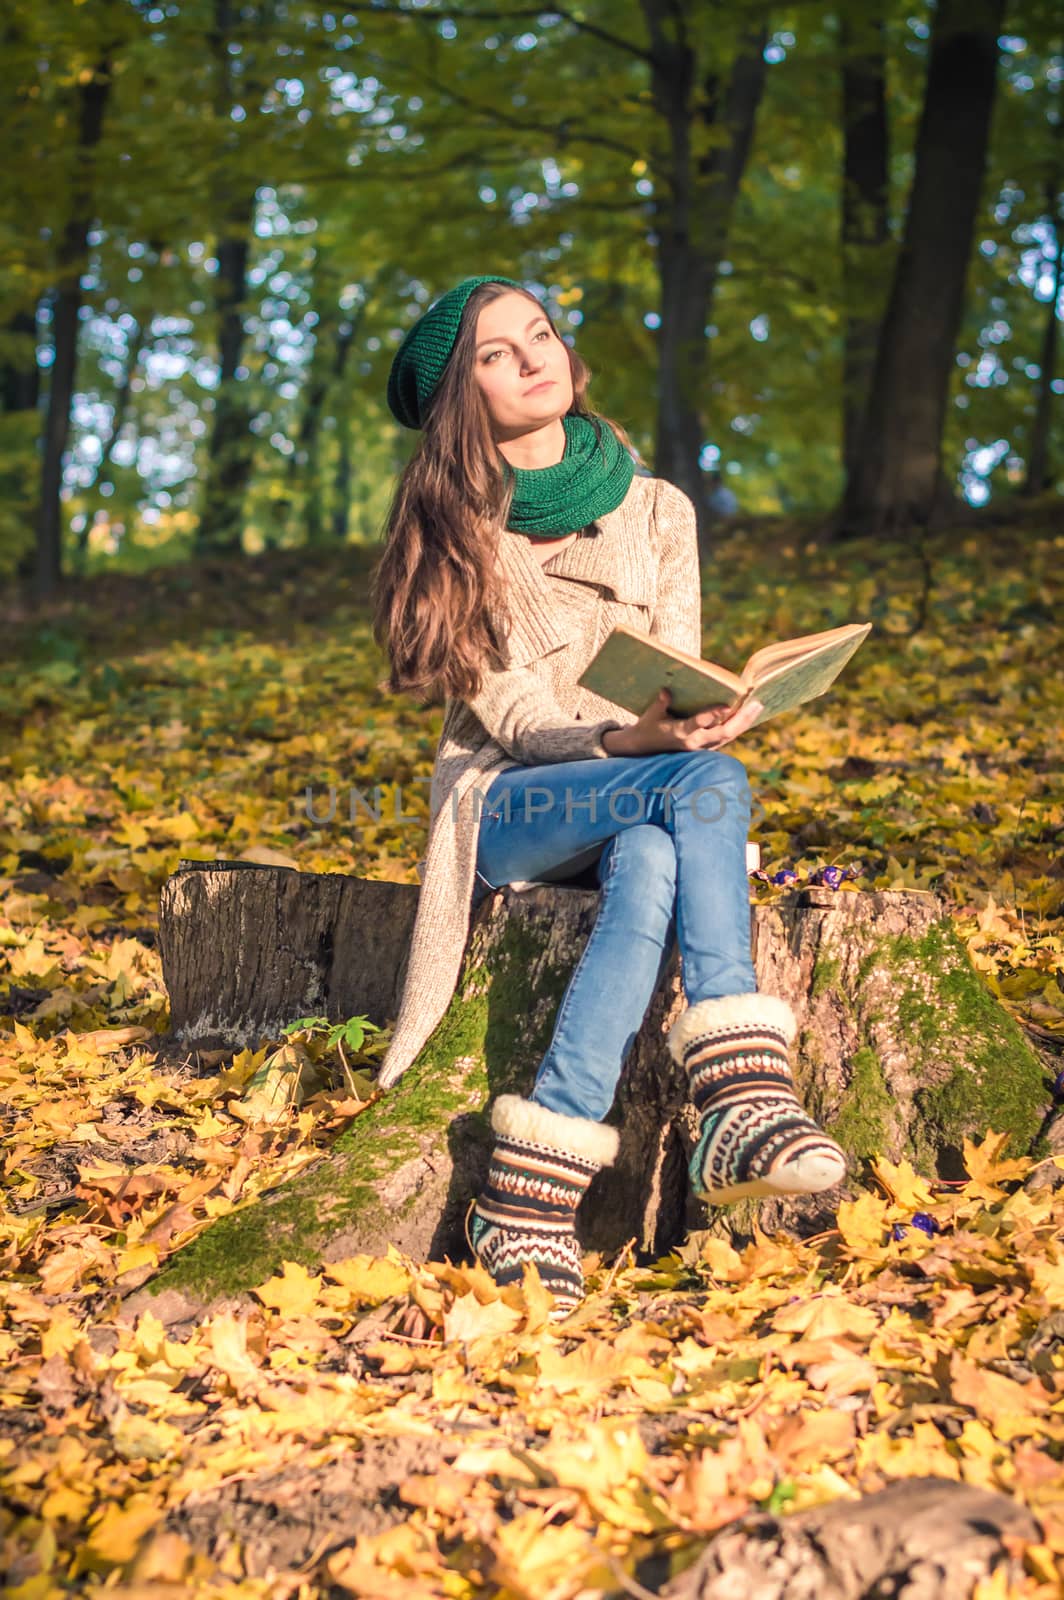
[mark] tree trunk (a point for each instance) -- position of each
(1040, 476)
(91, 98)
(900, 1050)
(333, 338)
(865, 215)
(695, 198)
(897, 480)
(20, 382)
(104, 474)
(229, 452)
(304, 487)
(924, 1538)
(343, 476)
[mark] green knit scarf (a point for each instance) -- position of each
(591, 479)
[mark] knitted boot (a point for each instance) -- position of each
(541, 1166)
(754, 1138)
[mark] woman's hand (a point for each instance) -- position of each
(657, 730)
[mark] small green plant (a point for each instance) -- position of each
(782, 1494)
(328, 1036)
(352, 1032)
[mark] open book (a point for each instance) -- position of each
(630, 668)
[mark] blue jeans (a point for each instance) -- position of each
(674, 828)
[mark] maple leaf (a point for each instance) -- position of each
(1001, 1401)
(805, 1440)
(403, 1555)
(367, 1279)
(227, 1350)
(863, 1225)
(141, 1431)
(531, 1556)
(826, 1315)
(595, 1366)
(117, 1533)
(139, 1438)
(608, 1463)
(702, 1497)
(987, 1167)
(466, 1319)
(903, 1184)
(498, 1461)
(839, 1375)
(293, 1293)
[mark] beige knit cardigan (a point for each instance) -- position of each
(637, 565)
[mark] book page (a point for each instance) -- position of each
(794, 682)
(763, 661)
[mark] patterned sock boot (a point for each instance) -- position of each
(541, 1166)
(754, 1137)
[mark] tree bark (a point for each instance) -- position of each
(865, 216)
(229, 452)
(104, 474)
(896, 484)
(695, 196)
(343, 475)
(91, 99)
(333, 338)
(20, 382)
(1040, 476)
(304, 467)
(900, 1050)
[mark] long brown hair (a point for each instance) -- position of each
(437, 581)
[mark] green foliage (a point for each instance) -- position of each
(384, 153)
(351, 1033)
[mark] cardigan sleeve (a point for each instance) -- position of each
(518, 710)
(677, 618)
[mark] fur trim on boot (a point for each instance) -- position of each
(540, 1169)
(754, 1136)
(530, 1123)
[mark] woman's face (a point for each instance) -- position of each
(517, 349)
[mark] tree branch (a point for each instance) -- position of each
(460, 14)
(564, 131)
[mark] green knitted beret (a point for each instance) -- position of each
(425, 350)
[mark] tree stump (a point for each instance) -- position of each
(901, 1050)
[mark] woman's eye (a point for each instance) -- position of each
(544, 333)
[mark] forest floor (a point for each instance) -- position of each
(403, 1429)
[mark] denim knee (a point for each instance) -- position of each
(719, 766)
(651, 847)
(720, 774)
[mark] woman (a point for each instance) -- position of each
(519, 535)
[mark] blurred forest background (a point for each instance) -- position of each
(816, 249)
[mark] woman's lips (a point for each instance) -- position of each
(548, 383)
